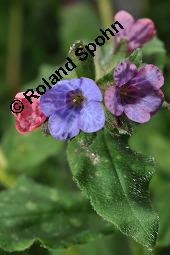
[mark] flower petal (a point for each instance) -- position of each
(113, 101)
(67, 85)
(142, 31)
(148, 75)
(92, 117)
(127, 21)
(53, 101)
(31, 117)
(64, 128)
(137, 114)
(90, 90)
(145, 107)
(124, 72)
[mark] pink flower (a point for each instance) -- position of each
(136, 92)
(31, 117)
(136, 32)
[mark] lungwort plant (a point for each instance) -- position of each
(95, 112)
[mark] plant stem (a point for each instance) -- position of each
(144, 7)
(106, 12)
(72, 251)
(166, 105)
(6, 179)
(14, 45)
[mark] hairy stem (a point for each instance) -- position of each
(106, 12)
(166, 105)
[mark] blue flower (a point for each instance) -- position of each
(73, 105)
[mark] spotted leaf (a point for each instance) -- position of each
(31, 212)
(116, 181)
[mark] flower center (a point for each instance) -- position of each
(128, 94)
(124, 91)
(75, 98)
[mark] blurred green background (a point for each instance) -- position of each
(35, 37)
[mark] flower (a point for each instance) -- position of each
(73, 105)
(136, 32)
(136, 92)
(31, 117)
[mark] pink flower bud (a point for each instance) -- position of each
(30, 117)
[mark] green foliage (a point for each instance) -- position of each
(162, 205)
(45, 71)
(85, 68)
(30, 212)
(114, 178)
(136, 57)
(78, 23)
(103, 58)
(153, 138)
(154, 53)
(105, 68)
(116, 181)
(105, 246)
(24, 152)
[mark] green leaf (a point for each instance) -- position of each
(116, 181)
(78, 22)
(85, 68)
(136, 57)
(45, 71)
(118, 125)
(161, 191)
(106, 67)
(104, 56)
(154, 53)
(5, 253)
(30, 212)
(109, 245)
(24, 152)
(106, 81)
(119, 55)
(157, 143)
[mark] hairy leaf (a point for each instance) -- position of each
(154, 53)
(116, 181)
(26, 151)
(136, 57)
(85, 68)
(30, 212)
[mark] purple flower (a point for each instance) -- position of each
(73, 105)
(136, 92)
(136, 32)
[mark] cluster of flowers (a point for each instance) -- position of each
(76, 104)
